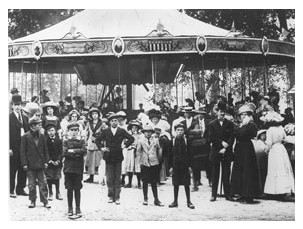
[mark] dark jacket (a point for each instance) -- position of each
(15, 134)
(198, 142)
(114, 143)
(188, 128)
(218, 134)
(54, 149)
(32, 155)
(73, 162)
(180, 155)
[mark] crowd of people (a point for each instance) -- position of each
(245, 148)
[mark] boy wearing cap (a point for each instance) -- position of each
(149, 151)
(110, 141)
(34, 158)
(53, 171)
(73, 151)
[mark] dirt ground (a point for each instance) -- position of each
(94, 206)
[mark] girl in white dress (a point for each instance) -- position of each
(280, 178)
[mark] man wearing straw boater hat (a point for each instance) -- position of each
(110, 141)
(18, 125)
(221, 134)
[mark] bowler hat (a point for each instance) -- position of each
(221, 106)
(16, 99)
(73, 125)
(34, 120)
(147, 128)
(68, 99)
(43, 92)
(14, 90)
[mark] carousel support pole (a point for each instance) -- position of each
(37, 75)
(243, 79)
(86, 94)
(265, 76)
(226, 73)
(203, 80)
(21, 89)
(14, 79)
(177, 98)
(192, 85)
(40, 80)
(153, 77)
(25, 96)
(129, 97)
(249, 83)
(61, 86)
(96, 88)
(77, 85)
(70, 85)
(32, 85)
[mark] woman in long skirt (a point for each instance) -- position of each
(244, 179)
(280, 178)
(94, 155)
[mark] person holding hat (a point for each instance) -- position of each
(244, 178)
(54, 169)
(34, 160)
(200, 147)
(94, 154)
(149, 151)
(221, 136)
(280, 178)
(110, 141)
(180, 161)
(131, 161)
(18, 125)
(50, 110)
(73, 153)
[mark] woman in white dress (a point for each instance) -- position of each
(280, 178)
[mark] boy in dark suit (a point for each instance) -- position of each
(109, 141)
(221, 135)
(53, 172)
(73, 151)
(18, 125)
(34, 159)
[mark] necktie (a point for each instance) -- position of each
(20, 117)
(148, 142)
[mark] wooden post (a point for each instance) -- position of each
(129, 96)
(192, 85)
(32, 85)
(265, 76)
(61, 86)
(14, 79)
(177, 98)
(96, 92)
(86, 94)
(203, 91)
(70, 85)
(25, 87)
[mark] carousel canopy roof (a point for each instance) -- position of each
(96, 23)
(138, 46)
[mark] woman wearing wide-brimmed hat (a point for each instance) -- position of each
(132, 162)
(94, 154)
(280, 178)
(244, 178)
(50, 110)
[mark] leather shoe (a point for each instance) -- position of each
(212, 199)
(190, 205)
(145, 202)
(117, 202)
(22, 193)
(158, 203)
(46, 205)
(195, 189)
(58, 196)
(173, 205)
(128, 186)
(89, 180)
(32, 204)
(110, 200)
(70, 212)
(12, 195)
(229, 198)
(50, 198)
(78, 212)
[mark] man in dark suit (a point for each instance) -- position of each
(18, 125)
(109, 141)
(221, 135)
(199, 146)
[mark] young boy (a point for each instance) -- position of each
(53, 172)
(180, 164)
(149, 151)
(34, 158)
(73, 152)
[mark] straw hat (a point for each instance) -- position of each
(201, 110)
(49, 104)
(260, 132)
(245, 108)
(148, 128)
(134, 123)
(272, 116)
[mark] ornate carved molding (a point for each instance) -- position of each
(18, 50)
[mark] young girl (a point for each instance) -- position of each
(50, 110)
(149, 152)
(180, 164)
(132, 162)
(94, 155)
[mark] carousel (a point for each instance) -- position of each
(127, 47)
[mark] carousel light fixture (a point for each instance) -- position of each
(37, 49)
(264, 46)
(118, 46)
(201, 45)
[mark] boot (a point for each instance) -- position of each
(32, 204)
(173, 205)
